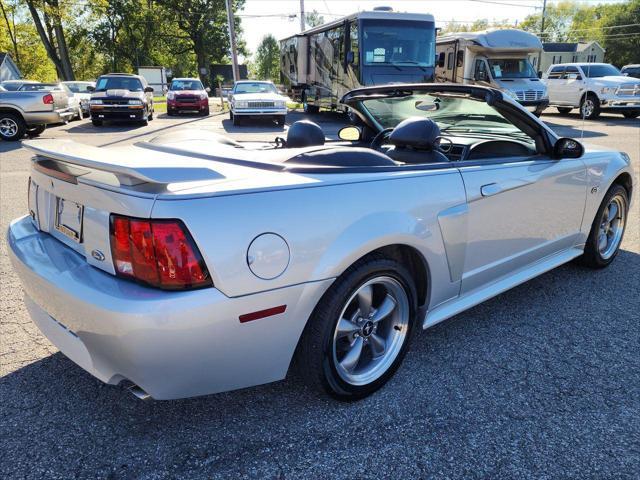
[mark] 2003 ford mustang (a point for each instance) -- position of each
(193, 264)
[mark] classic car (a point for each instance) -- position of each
(257, 99)
(187, 95)
(192, 263)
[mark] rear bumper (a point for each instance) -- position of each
(47, 117)
(171, 344)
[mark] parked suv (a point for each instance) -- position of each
(631, 70)
(121, 97)
(592, 87)
(187, 94)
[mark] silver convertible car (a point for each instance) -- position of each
(192, 264)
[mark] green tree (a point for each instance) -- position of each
(313, 19)
(267, 63)
(557, 24)
(622, 45)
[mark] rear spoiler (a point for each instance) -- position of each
(131, 165)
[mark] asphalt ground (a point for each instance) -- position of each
(540, 382)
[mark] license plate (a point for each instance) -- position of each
(68, 219)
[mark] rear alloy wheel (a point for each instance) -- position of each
(607, 229)
(590, 107)
(12, 127)
(359, 333)
(631, 114)
(564, 110)
(35, 131)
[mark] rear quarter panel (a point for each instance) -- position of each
(327, 228)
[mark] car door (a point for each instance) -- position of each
(555, 83)
(572, 85)
(520, 210)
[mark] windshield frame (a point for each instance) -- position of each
(427, 24)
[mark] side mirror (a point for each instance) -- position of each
(208, 90)
(567, 148)
(350, 133)
(148, 89)
(626, 74)
(91, 88)
(539, 73)
(350, 57)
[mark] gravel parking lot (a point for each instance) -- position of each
(540, 382)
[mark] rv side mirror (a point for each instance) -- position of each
(350, 57)
(91, 88)
(148, 89)
(350, 133)
(441, 60)
(567, 148)
(539, 73)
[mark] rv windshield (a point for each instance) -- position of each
(395, 42)
(511, 68)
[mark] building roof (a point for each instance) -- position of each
(568, 46)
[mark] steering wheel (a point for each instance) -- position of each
(446, 148)
(379, 138)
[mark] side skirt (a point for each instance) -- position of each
(471, 299)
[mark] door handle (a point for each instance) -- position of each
(490, 189)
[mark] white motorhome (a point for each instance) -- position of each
(497, 58)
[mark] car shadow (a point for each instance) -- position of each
(572, 131)
(254, 125)
(6, 147)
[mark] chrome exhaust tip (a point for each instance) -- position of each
(140, 393)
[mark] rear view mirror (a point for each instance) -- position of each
(349, 133)
(567, 148)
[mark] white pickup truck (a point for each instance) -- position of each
(29, 112)
(593, 88)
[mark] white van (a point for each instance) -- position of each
(495, 58)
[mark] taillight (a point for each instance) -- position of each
(160, 253)
(47, 99)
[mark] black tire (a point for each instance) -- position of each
(205, 112)
(281, 120)
(35, 131)
(592, 256)
(171, 112)
(150, 117)
(314, 356)
(96, 123)
(309, 109)
(236, 120)
(631, 114)
(145, 120)
(12, 126)
(592, 113)
(564, 110)
(230, 115)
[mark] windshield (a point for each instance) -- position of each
(177, 85)
(38, 87)
(452, 112)
(511, 68)
(119, 83)
(595, 71)
(78, 87)
(398, 42)
(255, 87)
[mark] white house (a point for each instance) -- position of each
(564, 52)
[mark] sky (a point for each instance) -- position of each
(255, 28)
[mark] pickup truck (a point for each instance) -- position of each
(593, 88)
(29, 112)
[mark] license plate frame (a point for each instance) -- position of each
(63, 219)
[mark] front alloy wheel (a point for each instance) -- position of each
(590, 107)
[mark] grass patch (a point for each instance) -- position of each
(160, 107)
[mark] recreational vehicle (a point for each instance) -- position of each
(320, 65)
(496, 58)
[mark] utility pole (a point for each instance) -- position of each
(544, 12)
(232, 41)
(302, 24)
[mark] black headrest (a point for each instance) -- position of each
(416, 132)
(304, 133)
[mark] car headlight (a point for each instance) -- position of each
(171, 95)
(280, 103)
(203, 95)
(135, 102)
(95, 102)
(241, 104)
(605, 90)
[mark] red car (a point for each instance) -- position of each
(187, 94)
